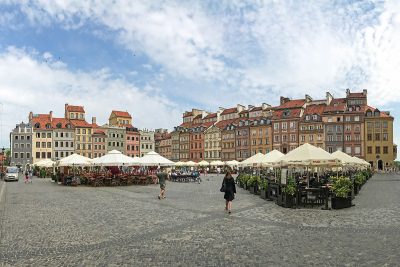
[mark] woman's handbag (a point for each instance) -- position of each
(223, 187)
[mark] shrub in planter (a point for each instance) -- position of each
(341, 188)
(244, 180)
(289, 192)
(252, 183)
(263, 188)
(360, 178)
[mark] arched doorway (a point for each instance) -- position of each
(380, 165)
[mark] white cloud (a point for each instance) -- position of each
(27, 83)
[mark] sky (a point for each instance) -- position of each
(157, 59)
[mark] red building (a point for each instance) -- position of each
(132, 141)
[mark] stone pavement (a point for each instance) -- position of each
(45, 224)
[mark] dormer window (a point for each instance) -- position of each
(37, 125)
(350, 109)
(255, 123)
(48, 126)
(72, 115)
(58, 125)
(246, 123)
(376, 113)
(315, 117)
(369, 113)
(68, 126)
(307, 118)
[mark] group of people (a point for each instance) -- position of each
(228, 187)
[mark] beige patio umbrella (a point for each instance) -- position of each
(46, 163)
(154, 159)
(232, 163)
(217, 163)
(309, 155)
(190, 163)
(346, 159)
(179, 164)
(272, 158)
(254, 161)
(114, 158)
(203, 163)
(74, 160)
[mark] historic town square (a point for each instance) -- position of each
(199, 133)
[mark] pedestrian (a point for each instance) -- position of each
(26, 176)
(162, 178)
(218, 170)
(229, 189)
(30, 176)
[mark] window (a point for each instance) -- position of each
(377, 136)
(38, 155)
(293, 138)
(357, 137)
(44, 144)
(276, 138)
(330, 149)
(385, 137)
(311, 137)
(370, 125)
(348, 137)
(329, 119)
(357, 150)
(347, 118)
(357, 118)
(21, 155)
(15, 155)
(348, 149)
(38, 144)
(276, 126)
(385, 150)
(348, 128)
(28, 155)
(48, 135)
(369, 137)
(369, 149)
(16, 145)
(384, 124)
(377, 124)
(330, 138)
(43, 155)
(377, 150)
(48, 144)
(339, 138)
(43, 135)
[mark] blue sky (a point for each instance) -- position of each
(159, 58)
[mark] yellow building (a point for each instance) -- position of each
(380, 150)
(83, 129)
(120, 118)
(212, 143)
(260, 136)
(42, 137)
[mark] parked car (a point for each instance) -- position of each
(12, 174)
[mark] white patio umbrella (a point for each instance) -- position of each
(74, 160)
(346, 159)
(217, 163)
(232, 163)
(46, 163)
(179, 164)
(272, 158)
(154, 159)
(361, 162)
(308, 155)
(113, 158)
(190, 163)
(256, 160)
(203, 163)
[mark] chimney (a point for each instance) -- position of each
(30, 116)
(329, 98)
(93, 120)
(265, 105)
(240, 108)
(365, 92)
(284, 100)
(250, 107)
(65, 110)
(51, 115)
(347, 92)
(308, 98)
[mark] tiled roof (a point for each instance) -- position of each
(186, 124)
(81, 123)
(75, 108)
(62, 121)
(244, 111)
(229, 111)
(94, 125)
(383, 114)
(314, 109)
(42, 119)
(337, 104)
(256, 109)
(356, 95)
(224, 123)
(293, 113)
(212, 115)
(298, 103)
(187, 114)
(197, 117)
(99, 132)
(123, 114)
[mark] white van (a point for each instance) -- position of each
(11, 174)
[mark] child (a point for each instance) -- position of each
(26, 176)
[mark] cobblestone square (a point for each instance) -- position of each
(45, 224)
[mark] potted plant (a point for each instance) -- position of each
(289, 192)
(252, 183)
(263, 188)
(244, 180)
(239, 180)
(359, 180)
(341, 188)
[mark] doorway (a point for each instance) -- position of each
(380, 165)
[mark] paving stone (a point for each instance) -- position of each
(45, 224)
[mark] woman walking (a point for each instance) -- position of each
(229, 188)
